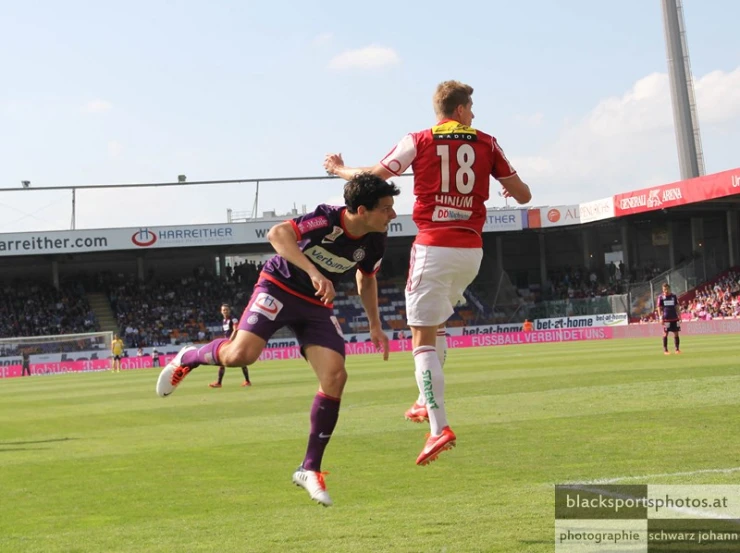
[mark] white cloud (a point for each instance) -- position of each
(322, 39)
(625, 142)
(370, 57)
(98, 106)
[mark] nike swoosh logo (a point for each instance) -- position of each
(324, 436)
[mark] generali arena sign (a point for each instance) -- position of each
(685, 192)
(227, 234)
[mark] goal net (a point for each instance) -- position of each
(37, 355)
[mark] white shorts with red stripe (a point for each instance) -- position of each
(438, 277)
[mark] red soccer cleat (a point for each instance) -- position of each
(417, 413)
(214, 385)
(436, 445)
(246, 383)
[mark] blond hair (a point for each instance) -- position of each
(449, 95)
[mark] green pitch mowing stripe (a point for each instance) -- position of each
(96, 462)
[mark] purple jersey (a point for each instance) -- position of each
(668, 305)
(229, 325)
(323, 238)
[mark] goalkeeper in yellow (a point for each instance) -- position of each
(116, 349)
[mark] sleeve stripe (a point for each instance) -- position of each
(295, 229)
(364, 272)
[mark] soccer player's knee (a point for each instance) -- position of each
(238, 356)
(335, 379)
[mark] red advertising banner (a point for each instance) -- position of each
(684, 192)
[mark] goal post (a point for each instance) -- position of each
(37, 355)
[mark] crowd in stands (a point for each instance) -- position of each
(578, 283)
(38, 309)
(187, 309)
(720, 300)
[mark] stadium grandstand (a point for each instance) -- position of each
(608, 256)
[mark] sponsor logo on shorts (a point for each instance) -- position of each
(329, 261)
(266, 305)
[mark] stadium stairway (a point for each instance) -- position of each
(103, 313)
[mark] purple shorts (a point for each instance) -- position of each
(270, 308)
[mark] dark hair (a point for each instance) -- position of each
(225, 305)
(367, 189)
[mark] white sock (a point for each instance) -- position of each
(429, 373)
(441, 346)
(442, 356)
(422, 399)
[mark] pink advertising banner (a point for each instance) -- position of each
(726, 326)
(94, 365)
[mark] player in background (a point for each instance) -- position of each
(452, 164)
(670, 317)
(230, 325)
(25, 363)
(296, 289)
(116, 349)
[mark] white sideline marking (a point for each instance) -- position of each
(649, 476)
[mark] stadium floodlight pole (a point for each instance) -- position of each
(685, 119)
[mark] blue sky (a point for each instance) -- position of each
(575, 90)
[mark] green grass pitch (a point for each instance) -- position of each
(97, 463)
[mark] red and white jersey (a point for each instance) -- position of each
(452, 165)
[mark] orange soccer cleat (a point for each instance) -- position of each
(214, 385)
(436, 445)
(417, 413)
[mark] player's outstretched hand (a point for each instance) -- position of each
(380, 341)
(324, 288)
(332, 162)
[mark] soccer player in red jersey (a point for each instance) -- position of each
(670, 317)
(452, 164)
(230, 325)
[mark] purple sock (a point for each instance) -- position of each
(205, 355)
(324, 415)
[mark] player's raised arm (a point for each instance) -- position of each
(284, 240)
(367, 287)
(515, 187)
(334, 165)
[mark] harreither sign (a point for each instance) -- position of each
(227, 234)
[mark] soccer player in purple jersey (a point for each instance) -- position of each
(670, 317)
(296, 289)
(230, 325)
